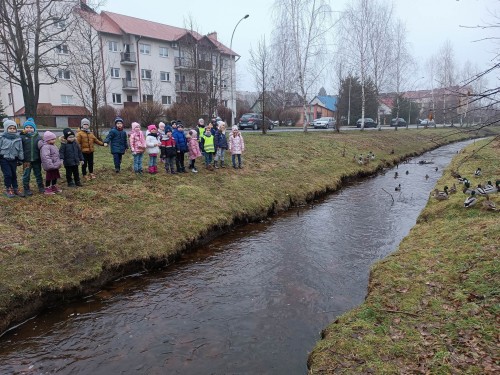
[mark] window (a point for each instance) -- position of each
(113, 46)
(117, 98)
(174, 45)
(129, 98)
(62, 49)
(163, 52)
(60, 23)
(224, 103)
(166, 100)
(66, 99)
(145, 49)
(10, 98)
(165, 76)
(145, 74)
(178, 77)
(147, 98)
(64, 74)
(115, 72)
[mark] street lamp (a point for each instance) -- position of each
(231, 66)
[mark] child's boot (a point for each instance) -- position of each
(173, 171)
(215, 165)
(150, 170)
(222, 164)
(49, 190)
(41, 188)
(78, 183)
(92, 176)
(56, 189)
(27, 191)
(9, 193)
(19, 193)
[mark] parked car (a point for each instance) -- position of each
(426, 122)
(369, 123)
(398, 122)
(324, 122)
(253, 121)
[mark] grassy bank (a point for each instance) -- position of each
(433, 305)
(60, 246)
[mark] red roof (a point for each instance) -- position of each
(47, 109)
(119, 24)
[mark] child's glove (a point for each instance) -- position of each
(105, 145)
(81, 163)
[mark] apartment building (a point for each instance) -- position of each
(140, 61)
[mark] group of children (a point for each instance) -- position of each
(169, 144)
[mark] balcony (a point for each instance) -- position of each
(187, 63)
(129, 84)
(128, 58)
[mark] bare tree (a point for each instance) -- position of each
(284, 75)
(307, 23)
(260, 66)
(30, 33)
(85, 58)
(355, 37)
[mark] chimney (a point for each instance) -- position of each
(213, 35)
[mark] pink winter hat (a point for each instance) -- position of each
(151, 127)
(135, 125)
(47, 136)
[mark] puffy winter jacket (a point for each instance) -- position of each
(180, 140)
(11, 147)
(220, 140)
(86, 141)
(117, 140)
(30, 146)
(49, 155)
(70, 153)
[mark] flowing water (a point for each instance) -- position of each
(251, 302)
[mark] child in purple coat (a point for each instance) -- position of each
(49, 155)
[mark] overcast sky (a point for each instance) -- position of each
(429, 22)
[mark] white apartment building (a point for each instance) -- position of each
(141, 61)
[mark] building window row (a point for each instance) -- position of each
(144, 48)
(67, 99)
(115, 72)
(62, 49)
(117, 98)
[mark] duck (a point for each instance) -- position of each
(462, 180)
(392, 152)
(398, 188)
(453, 189)
(488, 204)
(436, 169)
(480, 190)
(426, 176)
(371, 155)
(470, 201)
(489, 188)
(407, 172)
(440, 195)
(497, 184)
(478, 172)
(467, 189)
(396, 174)
(455, 174)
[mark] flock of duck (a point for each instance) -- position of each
(481, 191)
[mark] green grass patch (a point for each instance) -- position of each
(432, 305)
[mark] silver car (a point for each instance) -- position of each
(324, 122)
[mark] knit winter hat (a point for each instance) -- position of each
(67, 132)
(180, 126)
(151, 128)
(85, 121)
(201, 122)
(161, 126)
(235, 128)
(118, 119)
(29, 122)
(135, 125)
(7, 123)
(47, 136)
(168, 129)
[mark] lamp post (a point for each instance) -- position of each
(231, 66)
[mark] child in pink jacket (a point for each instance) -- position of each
(51, 162)
(236, 146)
(193, 148)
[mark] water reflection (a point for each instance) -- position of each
(252, 302)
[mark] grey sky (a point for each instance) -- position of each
(430, 23)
